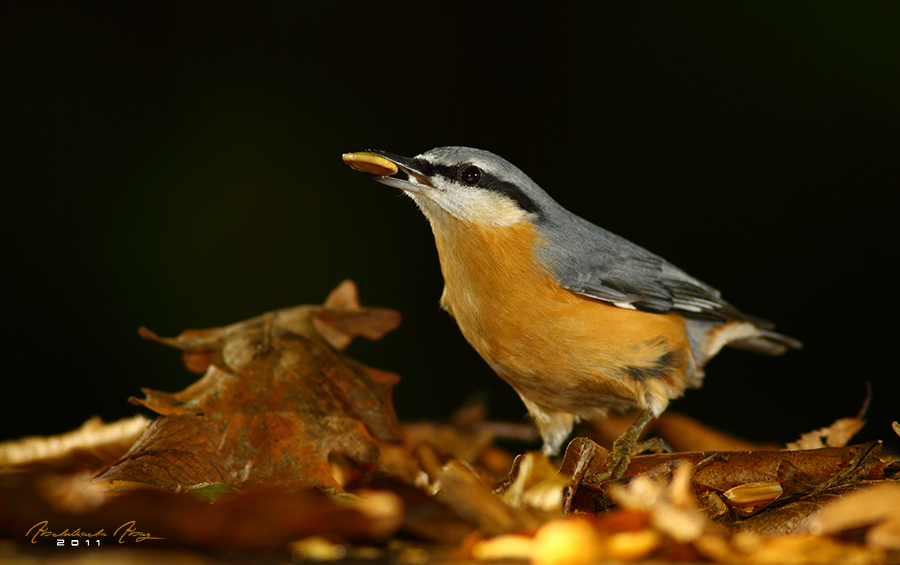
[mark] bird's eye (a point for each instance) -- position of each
(471, 175)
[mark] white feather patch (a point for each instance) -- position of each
(728, 333)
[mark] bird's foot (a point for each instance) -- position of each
(627, 446)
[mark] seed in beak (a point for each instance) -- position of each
(370, 163)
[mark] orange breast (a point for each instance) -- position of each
(561, 350)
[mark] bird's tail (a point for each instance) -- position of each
(767, 343)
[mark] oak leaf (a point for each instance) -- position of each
(278, 397)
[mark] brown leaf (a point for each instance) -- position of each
(534, 482)
(468, 436)
(464, 444)
(276, 400)
(837, 434)
(796, 516)
(92, 445)
(670, 503)
(584, 457)
(728, 469)
(426, 517)
(876, 507)
(797, 472)
(258, 518)
(462, 490)
(343, 319)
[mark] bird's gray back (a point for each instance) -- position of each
(591, 261)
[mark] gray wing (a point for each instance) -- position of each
(593, 262)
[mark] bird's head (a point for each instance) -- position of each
(471, 185)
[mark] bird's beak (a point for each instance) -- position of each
(393, 170)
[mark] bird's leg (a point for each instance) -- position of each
(628, 445)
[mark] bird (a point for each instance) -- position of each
(578, 320)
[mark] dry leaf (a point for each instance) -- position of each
(259, 518)
(876, 507)
(724, 470)
(534, 482)
(795, 516)
(468, 437)
(276, 400)
(459, 488)
(670, 504)
(280, 404)
(92, 445)
(837, 434)
(426, 518)
(793, 473)
(467, 445)
(341, 319)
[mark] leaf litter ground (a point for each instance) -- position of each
(289, 449)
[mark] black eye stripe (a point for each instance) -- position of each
(489, 182)
(512, 191)
(424, 167)
(448, 172)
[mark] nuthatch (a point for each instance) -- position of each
(576, 319)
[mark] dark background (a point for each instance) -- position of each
(178, 165)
